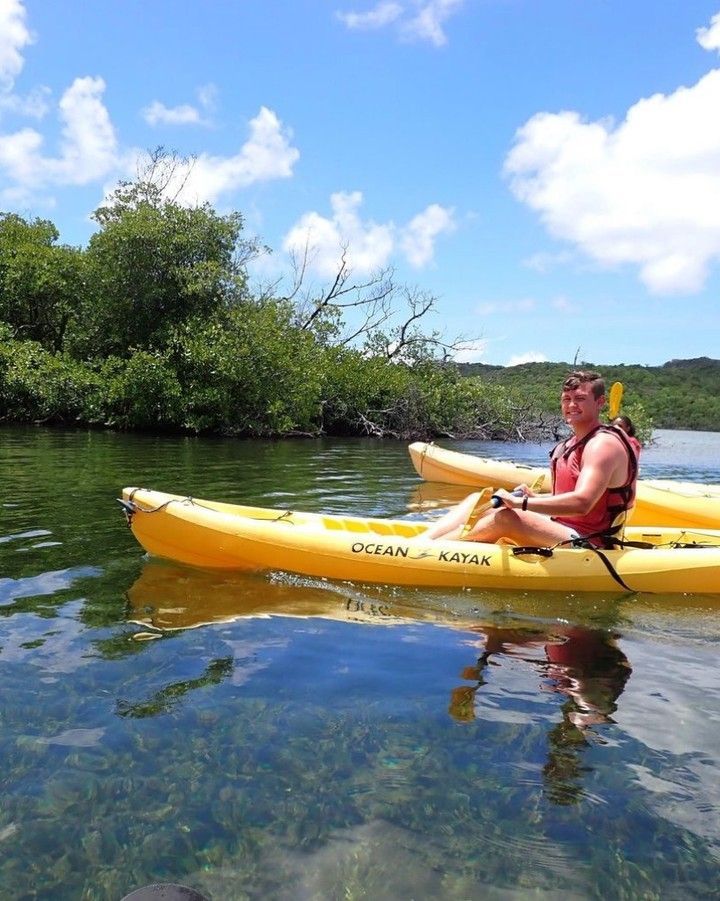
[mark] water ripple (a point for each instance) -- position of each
(44, 583)
(33, 533)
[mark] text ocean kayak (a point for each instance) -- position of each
(658, 502)
(226, 536)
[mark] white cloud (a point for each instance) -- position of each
(562, 304)
(34, 104)
(418, 239)
(645, 192)
(506, 307)
(90, 152)
(183, 114)
(14, 36)
(415, 20)
(377, 17)
(88, 148)
(427, 22)
(207, 96)
(471, 351)
(368, 245)
(159, 114)
(266, 155)
(544, 262)
(532, 356)
(88, 144)
(709, 38)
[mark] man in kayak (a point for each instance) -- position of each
(594, 474)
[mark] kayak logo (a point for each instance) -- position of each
(459, 557)
(388, 550)
(379, 550)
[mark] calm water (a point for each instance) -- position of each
(281, 738)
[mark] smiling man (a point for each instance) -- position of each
(594, 473)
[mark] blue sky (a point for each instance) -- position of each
(548, 169)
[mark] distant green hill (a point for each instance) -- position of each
(680, 394)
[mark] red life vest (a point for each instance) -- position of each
(565, 464)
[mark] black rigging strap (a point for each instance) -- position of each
(576, 543)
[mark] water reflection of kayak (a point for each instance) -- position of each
(392, 552)
(168, 596)
(659, 502)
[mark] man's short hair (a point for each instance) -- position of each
(583, 377)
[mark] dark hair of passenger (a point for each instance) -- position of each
(624, 423)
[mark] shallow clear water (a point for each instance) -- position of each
(273, 737)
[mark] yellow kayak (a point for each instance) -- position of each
(659, 502)
(392, 552)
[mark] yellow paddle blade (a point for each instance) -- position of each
(615, 399)
(538, 483)
(481, 505)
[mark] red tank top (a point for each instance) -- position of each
(566, 461)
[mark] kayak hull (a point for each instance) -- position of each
(232, 537)
(658, 502)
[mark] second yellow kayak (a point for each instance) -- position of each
(659, 502)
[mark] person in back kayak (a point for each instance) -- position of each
(594, 474)
(626, 424)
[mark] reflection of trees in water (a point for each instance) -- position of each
(164, 700)
(585, 665)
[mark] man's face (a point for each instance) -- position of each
(579, 405)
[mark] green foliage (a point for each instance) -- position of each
(155, 267)
(681, 394)
(42, 285)
(248, 372)
(141, 392)
(641, 420)
(357, 390)
(440, 402)
(373, 395)
(37, 385)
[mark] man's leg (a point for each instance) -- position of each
(527, 527)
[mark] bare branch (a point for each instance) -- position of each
(419, 306)
(158, 170)
(374, 303)
(341, 277)
(372, 321)
(325, 309)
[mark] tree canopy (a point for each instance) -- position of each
(155, 325)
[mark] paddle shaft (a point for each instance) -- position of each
(518, 492)
(497, 501)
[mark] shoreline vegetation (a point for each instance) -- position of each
(155, 326)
